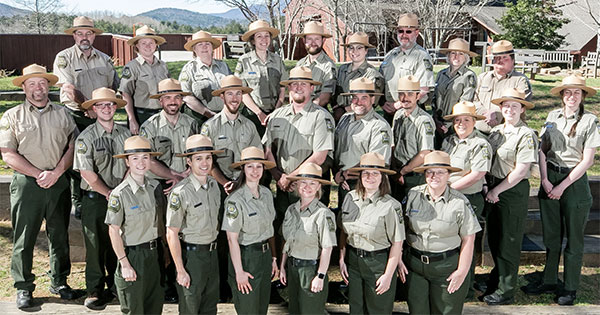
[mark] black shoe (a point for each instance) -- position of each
(24, 299)
(480, 286)
(65, 292)
(538, 288)
(566, 298)
(497, 299)
(95, 302)
(171, 297)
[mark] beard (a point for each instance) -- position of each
(85, 44)
(233, 108)
(298, 98)
(314, 51)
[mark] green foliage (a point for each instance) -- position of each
(533, 24)
(112, 27)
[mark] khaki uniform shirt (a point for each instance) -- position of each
(201, 80)
(194, 208)
(87, 74)
(135, 209)
(437, 226)
(372, 224)
(491, 87)
(567, 151)
(169, 139)
(517, 145)
(94, 150)
(251, 217)
(353, 138)
(232, 137)
(262, 77)
(308, 231)
(293, 137)
(346, 74)
(412, 134)
(451, 90)
(140, 79)
(323, 70)
(474, 153)
(41, 137)
(397, 64)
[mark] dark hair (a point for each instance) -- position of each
(241, 180)
(384, 186)
(580, 112)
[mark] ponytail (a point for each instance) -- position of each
(580, 113)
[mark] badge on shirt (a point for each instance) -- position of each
(530, 144)
(4, 124)
(204, 130)
(183, 77)
(330, 224)
(385, 138)
(61, 62)
(175, 202)
(400, 214)
(329, 125)
(143, 133)
(428, 64)
(232, 211)
(114, 204)
(485, 152)
(81, 147)
(428, 128)
(126, 73)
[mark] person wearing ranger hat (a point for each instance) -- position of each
(134, 227)
(407, 59)
(357, 46)
(515, 147)
(570, 138)
(192, 229)
(360, 131)
(248, 221)
(36, 141)
(201, 75)
(261, 70)
(322, 67)
(371, 238)
(413, 130)
(140, 77)
(94, 149)
(440, 224)
(491, 85)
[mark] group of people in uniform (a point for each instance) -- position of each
(177, 205)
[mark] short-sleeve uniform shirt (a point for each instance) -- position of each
(323, 70)
(453, 88)
(200, 79)
(512, 145)
(474, 153)
(140, 80)
(346, 74)
(398, 63)
(412, 134)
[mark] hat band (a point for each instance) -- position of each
(362, 91)
(232, 86)
(169, 91)
(253, 159)
(146, 34)
(131, 151)
(373, 166)
(309, 176)
(437, 164)
(199, 149)
(504, 52)
(299, 78)
(76, 26)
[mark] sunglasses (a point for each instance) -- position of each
(408, 32)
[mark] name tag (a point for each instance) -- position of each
(198, 205)
(165, 140)
(134, 207)
(100, 149)
(77, 70)
(251, 72)
(252, 214)
(222, 137)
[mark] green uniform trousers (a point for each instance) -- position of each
(258, 264)
(203, 294)
(100, 259)
(302, 299)
(363, 273)
(143, 114)
(477, 202)
(145, 294)
(29, 206)
(428, 287)
(505, 225)
(565, 217)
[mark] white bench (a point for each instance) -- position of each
(559, 57)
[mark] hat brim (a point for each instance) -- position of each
(358, 169)
(52, 79)
(189, 46)
(157, 96)
(120, 102)
(245, 90)
(273, 31)
(268, 164)
(320, 180)
(498, 101)
(451, 117)
(468, 52)
(324, 35)
(556, 90)
(198, 152)
(359, 43)
(422, 168)
(72, 30)
(287, 82)
(125, 155)
(158, 39)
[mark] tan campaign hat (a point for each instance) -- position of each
(146, 32)
(362, 85)
(136, 144)
(409, 83)
(169, 86)
(437, 159)
(253, 155)
(314, 28)
(259, 26)
(502, 47)
(372, 161)
(103, 94)
(202, 36)
(360, 38)
(35, 70)
(198, 144)
(310, 171)
(458, 44)
(512, 94)
(231, 82)
(85, 23)
(464, 108)
(573, 82)
(408, 20)
(300, 74)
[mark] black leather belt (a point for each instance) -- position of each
(428, 257)
(559, 169)
(296, 262)
(200, 247)
(152, 245)
(366, 253)
(92, 194)
(261, 246)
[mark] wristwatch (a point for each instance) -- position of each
(321, 275)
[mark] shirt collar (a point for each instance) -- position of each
(312, 206)
(196, 183)
(254, 56)
(31, 107)
(224, 120)
(561, 113)
(248, 194)
(141, 60)
(444, 197)
(134, 186)
(163, 121)
(80, 53)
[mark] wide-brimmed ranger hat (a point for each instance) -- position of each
(310, 171)
(409, 20)
(460, 45)
(83, 22)
(231, 82)
(36, 71)
(202, 36)
(198, 144)
(314, 28)
(259, 26)
(362, 85)
(169, 86)
(103, 94)
(409, 84)
(360, 38)
(146, 32)
(464, 108)
(502, 47)
(372, 161)
(573, 82)
(512, 94)
(436, 159)
(252, 155)
(136, 144)
(300, 74)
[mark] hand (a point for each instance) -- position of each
(556, 192)
(127, 271)
(47, 179)
(492, 196)
(134, 127)
(69, 89)
(345, 186)
(316, 285)
(400, 179)
(243, 284)
(90, 114)
(338, 177)
(491, 118)
(444, 128)
(274, 268)
(183, 278)
(383, 284)
(456, 279)
(283, 182)
(228, 187)
(262, 117)
(547, 185)
(282, 275)
(348, 108)
(172, 182)
(402, 271)
(389, 107)
(344, 271)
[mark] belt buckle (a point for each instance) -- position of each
(360, 253)
(265, 247)
(212, 246)
(153, 244)
(425, 259)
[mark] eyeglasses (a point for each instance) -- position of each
(430, 173)
(408, 32)
(104, 105)
(356, 47)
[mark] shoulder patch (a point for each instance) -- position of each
(385, 137)
(114, 204)
(472, 81)
(529, 140)
(204, 130)
(175, 202)
(231, 210)
(81, 147)
(329, 124)
(61, 61)
(126, 73)
(428, 128)
(428, 64)
(4, 124)
(400, 214)
(183, 77)
(330, 224)
(143, 133)
(485, 152)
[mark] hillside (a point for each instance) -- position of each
(8, 11)
(187, 17)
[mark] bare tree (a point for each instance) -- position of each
(596, 18)
(40, 12)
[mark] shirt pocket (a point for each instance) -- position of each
(202, 88)
(444, 225)
(375, 229)
(252, 78)
(103, 75)
(252, 222)
(224, 143)
(25, 132)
